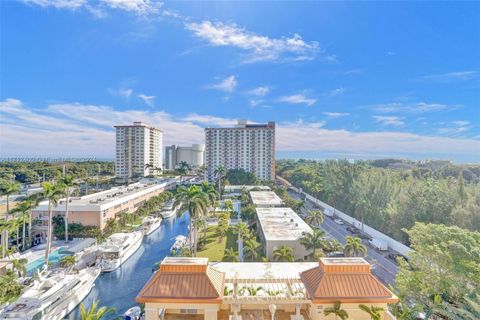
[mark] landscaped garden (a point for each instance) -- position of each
(214, 247)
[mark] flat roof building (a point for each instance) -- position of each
(194, 289)
(265, 199)
(282, 226)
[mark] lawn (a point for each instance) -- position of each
(213, 249)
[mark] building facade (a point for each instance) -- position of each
(97, 208)
(139, 151)
(193, 155)
(193, 289)
(250, 147)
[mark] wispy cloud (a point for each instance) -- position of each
(389, 120)
(149, 100)
(455, 128)
(255, 102)
(401, 107)
(99, 8)
(74, 129)
(227, 85)
(257, 47)
(336, 114)
(298, 99)
(259, 91)
(450, 76)
(335, 92)
(125, 92)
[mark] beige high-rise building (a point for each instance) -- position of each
(246, 146)
(139, 151)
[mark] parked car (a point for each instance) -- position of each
(336, 254)
(353, 230)
(365, 236)
(328, 212)
(395, 256)
(339, 221)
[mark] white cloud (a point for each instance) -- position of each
(228, 84)
(261, 91)
(455, 128)
(389, 120)
(451, 76)
(139, 7)
(73, 129)
(461, 123)
(255, 102)
(336, 114)
(335, 92)
(418, 107)
(149, 100)
(298, 99)
(257, 47)
(125, 92)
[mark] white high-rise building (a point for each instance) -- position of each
(194, 156)
(139, 151)
(250, 147)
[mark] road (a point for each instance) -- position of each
(384, 268)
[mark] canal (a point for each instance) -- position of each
(118, 289)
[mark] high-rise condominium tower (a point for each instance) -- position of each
(138, 151)
(246, 146)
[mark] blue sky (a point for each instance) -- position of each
(341, 79)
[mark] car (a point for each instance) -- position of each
(353, 230)
(339, 221)
(395, 256)
(336, 254)
(365, 236)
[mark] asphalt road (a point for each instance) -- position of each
(383, 267)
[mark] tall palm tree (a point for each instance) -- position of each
(68, 182)
(230, 255)
(314, 218)
(337, 311)
(354, 247)
(374, 312)
(333, 245)
(251, 248)
(211, 196)
(196, 202)
(241, 229)
(220, 172)
(95, 313)
(52, 192)
(7, 188)
(283, 254)
(23, 209)
(313, 241)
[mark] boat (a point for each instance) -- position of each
(134, 313)
(170, 209)
(150, 224)
(180, 242)
(53, 296)
(117, 249)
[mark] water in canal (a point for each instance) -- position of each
(119, 288)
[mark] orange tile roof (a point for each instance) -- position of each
(183, 283)
(344, 282)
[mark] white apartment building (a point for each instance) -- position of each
(193, 155)
(137, 145)
(250, 147)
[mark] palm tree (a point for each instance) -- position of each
(220, 174)
(7, 188)
(24, 210)
(333, 245)
(241, 229)
(211, 196)
(196, 202)
(67, 183)
(312, 241)
(19, 266)
(230, 255)
(354, 247)
(283, 254)
(68, 262)
(94, 313)
(15, 224)
(337, 311)
(52, 192)
(314, 218)
(374, 312)
(251, 247)
(183, 167)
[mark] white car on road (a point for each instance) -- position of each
(339, 221)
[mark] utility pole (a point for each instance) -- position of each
(64, 169)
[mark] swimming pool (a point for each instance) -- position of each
(53, 258)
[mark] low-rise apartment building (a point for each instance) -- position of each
(193, 289)
(96, 209)
(265, 199)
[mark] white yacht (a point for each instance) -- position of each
(53, 296)
(117, 249)
(150, 224)
(169, 209)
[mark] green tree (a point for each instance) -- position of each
(19, 265)
(374, 312)
(313, 241)
(337, 311)
(230, 255)
(23, 209)
(222, 228)
(7, 188)
(68, 262)
(211, 196)
(283, 254)
(94, 312)
(220, 172)
(250, 248)
(52, 192)
(68, 184)
(314, 218)
(354, 247)
(10, 289)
